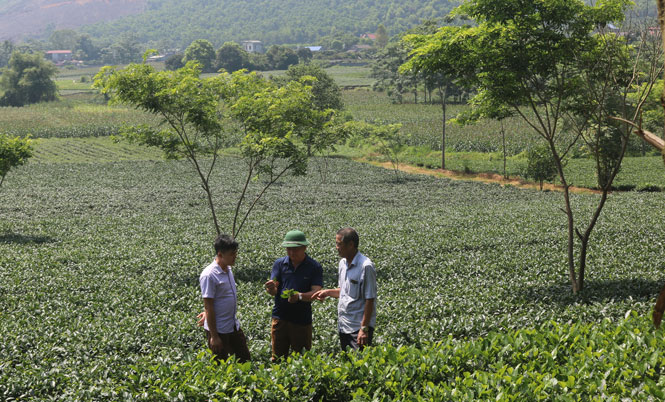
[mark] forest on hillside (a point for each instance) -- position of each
(176, 23)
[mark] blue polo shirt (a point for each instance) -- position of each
(309, 273)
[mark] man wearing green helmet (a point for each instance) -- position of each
(293, 281)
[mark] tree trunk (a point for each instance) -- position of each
(587, 234)
(661, 22)
(571, 240)
(443, 92)
(211, 204)
(503, 140)
(569, 214)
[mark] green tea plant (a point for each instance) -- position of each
(99, 287)
(13, 152)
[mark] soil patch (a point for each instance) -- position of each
(480, 177)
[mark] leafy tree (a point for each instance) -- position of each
(540, 164)
(281, 57)
(85, 49)
(27, 79)
(174, 62)
(258, 62)
(390, 142)
(539, 55)
(13, 152)
(64, 39)
(386, 138)
(326, 93)
(201, 116)
(326, 98)
(125, 50)
(385, 69)
(6, 50)
(481, 109)
(338, 41)
(434, 79)
(305, 55)
(381, 36)
(201, 51)
(232, 57)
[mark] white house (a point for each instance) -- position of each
(59, 56)
(253, 46)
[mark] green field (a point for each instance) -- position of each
(99, 266)
(69, 118)
(102, 243)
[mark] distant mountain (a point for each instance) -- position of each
(176, 23)
(179, 22)
(20, 19)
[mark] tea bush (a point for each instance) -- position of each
(99, 266)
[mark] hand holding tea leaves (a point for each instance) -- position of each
(290, 294)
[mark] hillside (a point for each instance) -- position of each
(179, 22)
(20, 19)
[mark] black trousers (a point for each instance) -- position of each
(351, 340)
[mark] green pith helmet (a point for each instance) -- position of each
(295, 238)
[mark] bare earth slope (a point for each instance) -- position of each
(19, 19)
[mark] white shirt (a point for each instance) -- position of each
(357, 283)
(221, 287)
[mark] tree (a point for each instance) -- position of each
(27, 79)
(535, 56)
(281, 57)
(201, 51)
(85, 49)
(433, 78)
(385, 69)
(381, 36)
(64, 39)
(201, 116)
(6, 50)
(305, 55)
(13, 152)
(540, 165)
(174, 62)
(482, 109)
(231, 57)
(125, 50)
(326, 93)
(326, 98)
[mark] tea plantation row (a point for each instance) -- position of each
(99, 268)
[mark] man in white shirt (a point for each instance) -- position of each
(218, 289)
(356, 309)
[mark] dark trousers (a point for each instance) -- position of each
(286, 335)
(351, 340)
(233, 343)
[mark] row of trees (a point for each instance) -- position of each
(232, 57)
(126, 48)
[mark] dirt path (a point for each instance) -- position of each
(480, 177)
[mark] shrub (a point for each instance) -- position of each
(540, 164)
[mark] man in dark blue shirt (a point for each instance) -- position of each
(293, 281)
